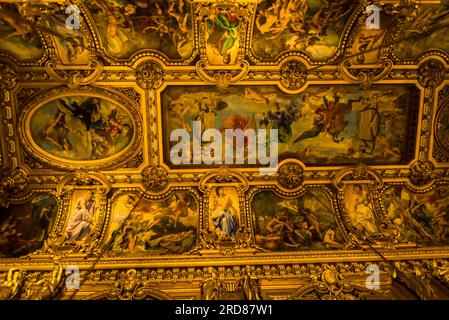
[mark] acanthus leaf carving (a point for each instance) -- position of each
(422, 173)
(431, 73)
(14, 182)
(83, 177)
(149, 75)
(291, 175)
(154, 178)
(293, 74)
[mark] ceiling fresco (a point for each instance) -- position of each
(314, 27)
(106, 107)
(127, 27)
(321, 125)
(55, 128)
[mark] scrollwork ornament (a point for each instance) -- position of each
(83, 178)
(222, 78)
(431, 73)
(154, 178)
(365, 76)
(293, 74)
(243, 238)
(51, 244)
(360, 172)
(291, 176)
(150, 75)
(74, 78)
(208, 240)
(224, 175)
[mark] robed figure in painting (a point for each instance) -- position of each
(362, 213)
(224, 215)
(224, 34)
(80, 223)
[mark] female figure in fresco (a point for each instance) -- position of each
(363, 214)
(80, 223)
(224, 216)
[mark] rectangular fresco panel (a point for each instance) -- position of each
(313, 26)
(147, 227)
(25, 227)
(17, 37)
(303, 223)
(323, 125)
(83, 215)
(419, 218)
(127, 26)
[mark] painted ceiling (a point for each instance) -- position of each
(92, 91)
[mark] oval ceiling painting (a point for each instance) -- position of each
(80, 128)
